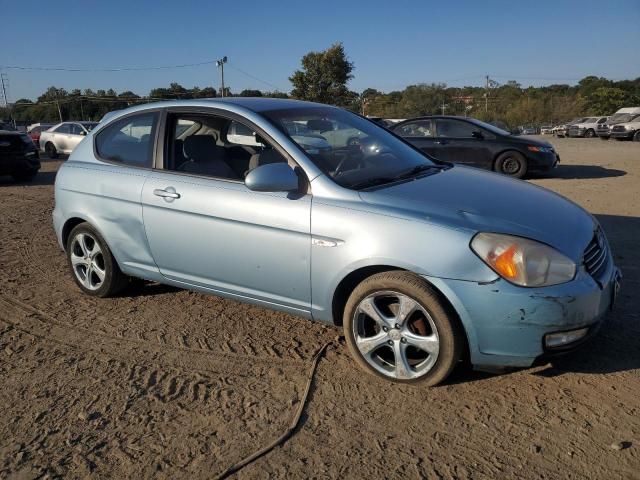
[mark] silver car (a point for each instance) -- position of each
(63, 137)
(421, 263)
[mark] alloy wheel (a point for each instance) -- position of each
(87, 261)
(396, 335)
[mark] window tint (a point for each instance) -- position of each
(454, 128)
(64, 128)
(421, 128)
(129, 141)
(214, 146)
(76, 129)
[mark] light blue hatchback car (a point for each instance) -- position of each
(319, 212)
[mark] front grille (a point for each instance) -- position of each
(596, 255)
(618, 128)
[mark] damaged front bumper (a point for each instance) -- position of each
(509, 326)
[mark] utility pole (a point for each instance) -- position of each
(486, 95)
(220, 63)
(59, 111)
(444, 106)
(4, 95)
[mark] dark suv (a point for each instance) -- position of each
(18, 156)
(471, 142)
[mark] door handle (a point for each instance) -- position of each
(168, 193)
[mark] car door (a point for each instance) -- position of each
(61, 137)
(420, 134)
(206, 228)
(463, 142)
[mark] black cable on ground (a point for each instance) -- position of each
(294, 423)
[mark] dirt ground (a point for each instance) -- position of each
(168, 383)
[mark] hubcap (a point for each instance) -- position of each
(511, 166)
(87, 261)
(396, 335)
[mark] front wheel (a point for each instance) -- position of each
(589, 133)
(92, 265)
(397, 328)
(636, 136)
(51, 150)
(512, 164)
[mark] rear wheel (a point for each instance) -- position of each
(636, 136)
(92, 265)
(51, 150)
(397, 328)
(512, 164)
(590, 133)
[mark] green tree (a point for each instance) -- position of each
(606, 100)
(324, 76)
(250, 93)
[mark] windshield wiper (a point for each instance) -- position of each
(372, 182)
(418, 169)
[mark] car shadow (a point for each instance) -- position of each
(42, 178)
(615, 347)
(144, 288)
(578, 172)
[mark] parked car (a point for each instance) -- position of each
(529, 131)
(471, 142)
(621, 116)
(7, 127)
(561, 130)
(63, 137)
(421, 262)
(628, 130)
(18, 156)
(586, 128)
(546, 129)
(36, 129)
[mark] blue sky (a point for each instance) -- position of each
(393, 44)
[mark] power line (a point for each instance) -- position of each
(255, 78)
(109, 69)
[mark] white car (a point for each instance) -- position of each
(63, 137)
(586, 128)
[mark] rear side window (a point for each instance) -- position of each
(129, 140)
(64, 128)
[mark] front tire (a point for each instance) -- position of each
(589, 133)
(51, 150)
(397, 328)
(512, 164)
(92, 265)
(636, 136)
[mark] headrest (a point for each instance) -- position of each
(199, 147)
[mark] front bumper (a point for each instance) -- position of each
(625, 134)
(19, 163)
(506, 324)
(542, 162)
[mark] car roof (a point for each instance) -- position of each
(254, 104)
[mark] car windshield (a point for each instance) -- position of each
(622, 117)
(355, 152)
(89, 125)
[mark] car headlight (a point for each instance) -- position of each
(535, 148)
(522, 261)
(629, 127)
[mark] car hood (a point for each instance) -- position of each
(469, 198)
(531, 141)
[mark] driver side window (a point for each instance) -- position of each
(447, 127)
(421, 128)
(215, 146)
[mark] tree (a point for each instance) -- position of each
(323, 77)
(250, 93)
(606, 100)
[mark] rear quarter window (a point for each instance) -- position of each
(129, 140)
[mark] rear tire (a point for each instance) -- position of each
(51, 150)
(589, 133)
(636, 136)
(92, 265)
(414, 339)
(512, 164)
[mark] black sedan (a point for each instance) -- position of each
(471, 142)
(18, 156)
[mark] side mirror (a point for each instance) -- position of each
(83, 133)
(272, 177)
(477, 134)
